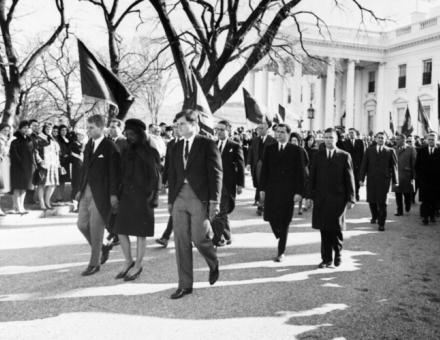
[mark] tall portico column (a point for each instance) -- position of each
(349, 99)
(358, 120)
(251, 84)
(380, 90)
(329, 94)
(265, 86)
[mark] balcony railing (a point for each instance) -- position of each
(403, 30)
(428, 23)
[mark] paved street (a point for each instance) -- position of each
(386, 288)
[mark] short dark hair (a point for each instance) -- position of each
(119, 123)
(33, 121)
(162, 124)
(174, 120)
(225, 123)
(288, 129)
(331, 130)
(189, 115)
(151, 125)
(402, 136)
(98, 120)
(381, 133)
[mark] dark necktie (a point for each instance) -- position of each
(380, 150)
(430, 151)
(186, 150)
(281, 147)
(329, 155)
(92, 148)
(221, 147)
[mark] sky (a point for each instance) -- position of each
(36, 19)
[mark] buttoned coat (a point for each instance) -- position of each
(254, 155)
(233, 166)
(204, 171)
(331, 187)
(282, 177)
(428, 174)
(102, 172)
(406, 158)
(380, 171)
(356, 152)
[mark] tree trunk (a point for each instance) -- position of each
(113, 50)
(12, 97)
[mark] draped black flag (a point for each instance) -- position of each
(407, 128)
(391, 123)
(100, 84)
(423, 118)
(256, 113)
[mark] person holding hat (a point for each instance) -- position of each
(23, 159)
(138, 197)
(5, 161)
(98, 190)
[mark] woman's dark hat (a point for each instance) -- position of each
(134, 122)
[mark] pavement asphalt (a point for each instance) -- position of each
(386, 288)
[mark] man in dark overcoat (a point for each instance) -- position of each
(356, 148)
(379, 166)
(255, 158)
(99, 187)
(281, 184)
(428, 176)
(406, 156)
(233, 179)
(331, 191)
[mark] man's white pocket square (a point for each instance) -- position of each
(100, 156)
(230, 150)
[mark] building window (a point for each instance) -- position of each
(371, 81)
(289, 96)
(312, 92)
(402, 76)
(400, 119)
(427, 72)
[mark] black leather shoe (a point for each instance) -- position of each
(162, 241)
(180, 293)
(338, 262)
(228, 242)
(214, 274)
(90, 271)
(407, 208)
(324, 264)
(398, 213)
(280, 258)
(425, 221)
(121, 275)
(105, 253)
(381, 228)
(134, 276)
(115, 241)
(357, 198)
(373, 221)
(432, 220)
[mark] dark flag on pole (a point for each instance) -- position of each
(256, 113)
(438, 101)
(391, 123)
(206, 120)
(423, 118)
(100, 84)
(281, 116)
(407, 128)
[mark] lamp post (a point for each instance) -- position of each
(311, 116)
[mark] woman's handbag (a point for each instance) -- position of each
(39, 176)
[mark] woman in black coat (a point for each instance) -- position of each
(296, 139)
(138, 197)
(76, 151)
(64, 144)
(23, 158)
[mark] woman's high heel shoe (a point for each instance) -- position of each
(133, 277)
(121, 275)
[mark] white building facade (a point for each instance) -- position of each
(369, 77)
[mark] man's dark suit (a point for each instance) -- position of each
(331, 187)
(428, 176)
(380, 170)
(356, 152)
(203, 174)
(282, 177)
(233, 176)
(170, 147)
(100, 179)
(121, 143)
(255, 159)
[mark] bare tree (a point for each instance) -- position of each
(228, 30)
(112, 23)
(12, 72)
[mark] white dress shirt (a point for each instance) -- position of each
(264, 139)
(97, 142)
(331, 153)
(283, 144)
(378, 148)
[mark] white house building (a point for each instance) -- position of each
(369, 75)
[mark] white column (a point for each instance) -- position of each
(295, 88)
(349, 97)
(358, 111)
(320, 107)
(265, 86)
(339, 100)
(279, 87)
(329, 95)
(251, 82)
(380, 90)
